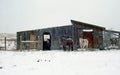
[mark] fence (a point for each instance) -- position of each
(7, 44)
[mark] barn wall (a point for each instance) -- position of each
(97, 34)
(56, 34)
(23, 36)
(98, 38)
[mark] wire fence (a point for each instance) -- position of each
(7, 41)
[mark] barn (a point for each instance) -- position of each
(36, 39)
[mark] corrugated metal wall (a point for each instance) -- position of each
(56, 34)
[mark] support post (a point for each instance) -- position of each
(38, 42)
(5, 43)
(119, 41)
(21, 43)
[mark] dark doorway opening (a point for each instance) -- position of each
(46, 41)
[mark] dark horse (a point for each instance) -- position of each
(67, 43)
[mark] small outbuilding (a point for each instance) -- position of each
(111, 39)
(36, 39)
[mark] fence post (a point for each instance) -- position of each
(5, 43)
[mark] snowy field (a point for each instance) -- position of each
(60, 63)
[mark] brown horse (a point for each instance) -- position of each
(67, 43)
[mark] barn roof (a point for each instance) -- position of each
(85, 24)
(73, 23)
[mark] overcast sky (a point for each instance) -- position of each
(19, 15)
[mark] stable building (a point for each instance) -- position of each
(36, 39)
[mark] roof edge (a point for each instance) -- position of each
(74, 21)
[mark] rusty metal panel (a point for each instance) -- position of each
(32, 38)
(55, 32)
(89, 37)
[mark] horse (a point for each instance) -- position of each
(67, 42)
(83, 43)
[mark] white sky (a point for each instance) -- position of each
(19, 15)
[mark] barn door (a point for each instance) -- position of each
(89, 37)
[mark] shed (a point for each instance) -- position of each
(111, 39)
(36, 39)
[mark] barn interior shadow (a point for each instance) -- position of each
(46, 41)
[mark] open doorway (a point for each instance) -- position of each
(88, 34)
(46, 41)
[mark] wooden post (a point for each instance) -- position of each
(38, 43)
(21, 43)
(5, 43)
(119, 41)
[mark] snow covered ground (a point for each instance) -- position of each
(60, 63)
